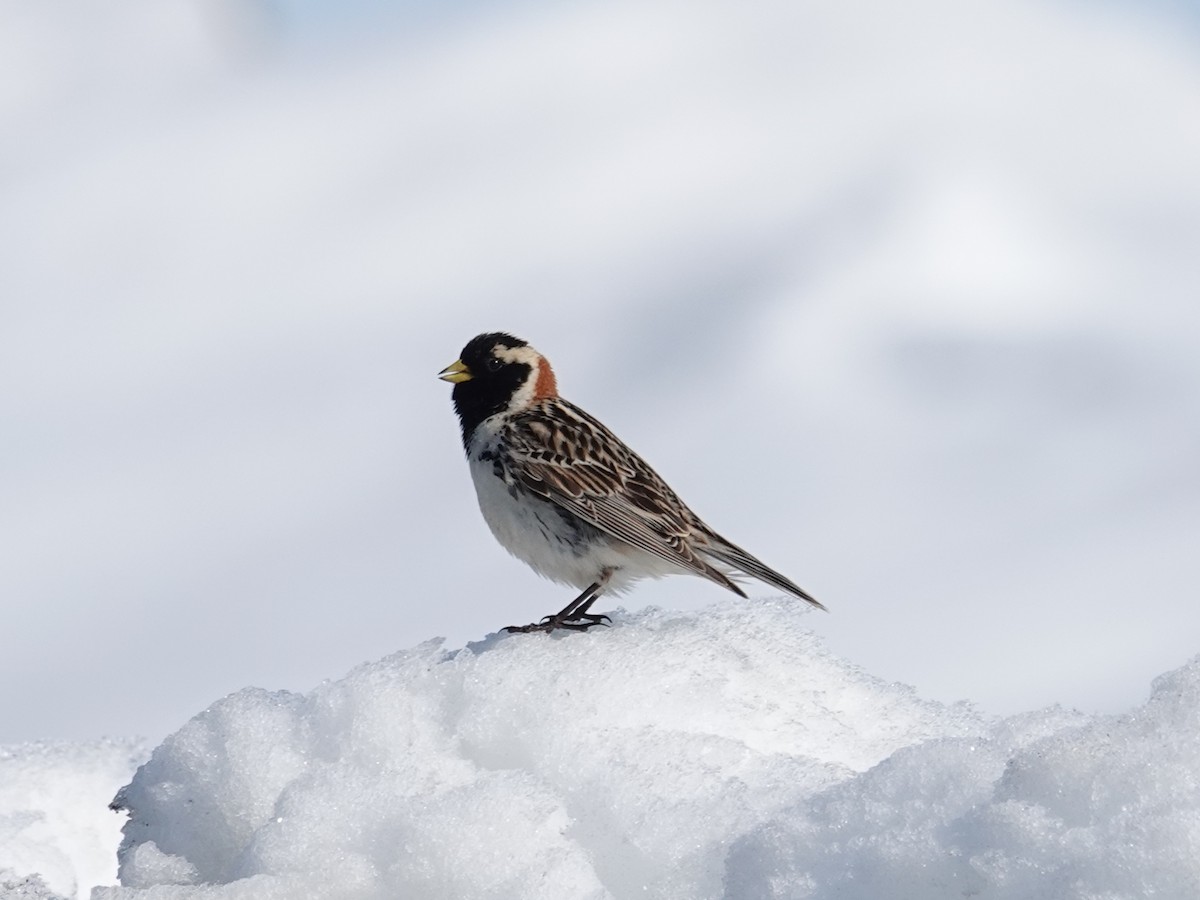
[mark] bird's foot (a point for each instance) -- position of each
(577, 622)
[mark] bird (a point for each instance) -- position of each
(566, 496)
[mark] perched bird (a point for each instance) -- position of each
(563, 494)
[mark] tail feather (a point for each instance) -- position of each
(735, 556)
(724, 579)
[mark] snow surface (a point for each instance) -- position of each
(724, 753)
(56, 834)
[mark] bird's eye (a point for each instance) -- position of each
(494, 364)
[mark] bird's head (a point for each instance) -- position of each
(496, 373)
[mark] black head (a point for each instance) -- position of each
(489, 374)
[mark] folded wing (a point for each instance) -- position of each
(574, 461)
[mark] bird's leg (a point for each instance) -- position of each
(574, 616)
(577, 610)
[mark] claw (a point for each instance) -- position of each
(574, 616)
(549, 623)
(592, 619)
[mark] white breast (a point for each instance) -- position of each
(535, 532)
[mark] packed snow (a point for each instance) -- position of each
(721, 753)
(56, 838)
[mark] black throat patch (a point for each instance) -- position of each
(492, 383)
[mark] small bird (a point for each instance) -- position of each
(565, 495)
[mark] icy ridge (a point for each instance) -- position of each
(725, 753)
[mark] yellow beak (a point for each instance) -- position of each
(455, 372)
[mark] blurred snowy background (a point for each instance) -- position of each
(901, 297)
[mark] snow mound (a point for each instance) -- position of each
(1043, 806)
(56, 836)
(725, 753)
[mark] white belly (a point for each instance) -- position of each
(533, 531)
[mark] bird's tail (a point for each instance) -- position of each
(732, 555)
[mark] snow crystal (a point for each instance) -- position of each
(717, 754)
(31, 887)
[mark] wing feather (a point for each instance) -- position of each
(569, 458)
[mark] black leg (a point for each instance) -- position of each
(574, 616)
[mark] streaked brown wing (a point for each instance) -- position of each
(569, 458)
